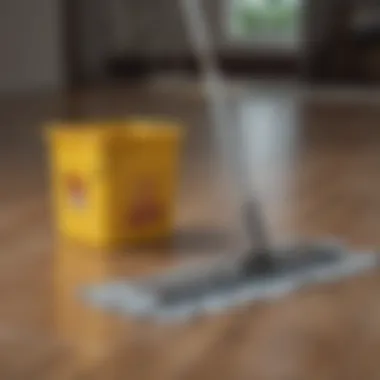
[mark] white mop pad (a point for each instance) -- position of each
(141, 298)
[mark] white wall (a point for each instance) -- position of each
(31, 48)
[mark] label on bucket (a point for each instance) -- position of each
(146, 208)
(76, 190)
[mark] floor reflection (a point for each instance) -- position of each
(269, 133)
(269, 138)
(87, 330)
(101, 343)
(94, 335)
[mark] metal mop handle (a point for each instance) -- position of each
(215, 88)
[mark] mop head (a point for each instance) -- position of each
(188, 292)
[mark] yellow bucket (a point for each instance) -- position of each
(115, 182)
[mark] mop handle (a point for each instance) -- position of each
(215, 88)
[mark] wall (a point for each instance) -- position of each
(170, 35)
(144, 27)
(31, 49)
(148, 28)
(158, 28)
(331, 49)
(94, 36)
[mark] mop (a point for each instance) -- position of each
(262, 272)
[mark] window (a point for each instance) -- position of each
(265, 22)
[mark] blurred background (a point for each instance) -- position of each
(59, 43)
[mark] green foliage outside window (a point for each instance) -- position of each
(270, 18)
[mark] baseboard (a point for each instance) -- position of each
(138, 68)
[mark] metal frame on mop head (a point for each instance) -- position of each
(262, 272)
